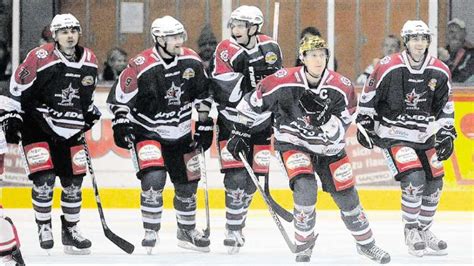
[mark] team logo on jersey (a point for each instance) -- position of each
(432, 84)
(41, 53)
(385, 60)
(67, 95)
(87, 81)
(188, 73)
(224, 55)
(139, 60)
(271, 58)
(412, 99)
(173, 95)
(281, 73)
(346, 81)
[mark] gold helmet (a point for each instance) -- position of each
(310, 43)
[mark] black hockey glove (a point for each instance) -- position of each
(203, 134)
(444, 142)
(365, 131)
(123, 132)
(238, 142)
(91, 118)
(12, 124)
(315, 107)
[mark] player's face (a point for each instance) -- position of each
(315, 61)
(67, 38)
(174, 43)
(239, 30)
(417, 46)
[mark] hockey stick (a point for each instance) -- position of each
(202, 166)
(118, 241)
(293, 247)
(276, 19)
(282, 212)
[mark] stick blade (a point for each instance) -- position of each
(119, 242)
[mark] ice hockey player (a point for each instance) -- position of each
(312, 106)
(152, 104)
(9, 242)
(50, 105)
(240, 63)
(406, 109)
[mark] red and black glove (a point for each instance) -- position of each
(123, 131)
(365, 131)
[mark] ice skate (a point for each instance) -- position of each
(193, 239)
(45, 237)
(234, 240)
(73, 241)
(150, 240)
(374, 253)
(416, 245)
(434, 246)
(305, 255)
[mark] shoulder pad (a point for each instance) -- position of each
(339, 81)
(226, 50)
(190, 53)
(282, 76)
(439, 65)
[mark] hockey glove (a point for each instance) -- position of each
(238, 142)
(365, 131)
(203, 134)
(91, 118)
(123, 132)
(444, 142)
(315, 108)
(12, 124)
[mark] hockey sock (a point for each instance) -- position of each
(42, 196)
(185, 205)
(412, 186)
(71, 198)
(354, 216)
(151, 199)
(429, 203)
(238, 196)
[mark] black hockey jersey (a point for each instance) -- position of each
(53, 91)
(237, 71)
(280, 94)
(159, 97)
(408, 105)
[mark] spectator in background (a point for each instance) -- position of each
(46, 36)
(5, 62)
(207, 43)
(307, 32)
(115, 64)
(459, 53)
(391, 44)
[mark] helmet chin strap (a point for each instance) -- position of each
(164, 48)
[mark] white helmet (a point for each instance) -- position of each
(166, 26)
(62, 21)
(251, 14)
(414, 27)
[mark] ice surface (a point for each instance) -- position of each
(264, 244)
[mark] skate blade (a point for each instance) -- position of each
(187, 245)
(70, 250)
(432, 252)
(416, 253)
(233, 250)
(149, 250)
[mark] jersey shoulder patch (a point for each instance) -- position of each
(90, 56)
(339, 81)
(144, 59)
(284, 76)
(41, 56)
(226, 50)
(264, 38)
